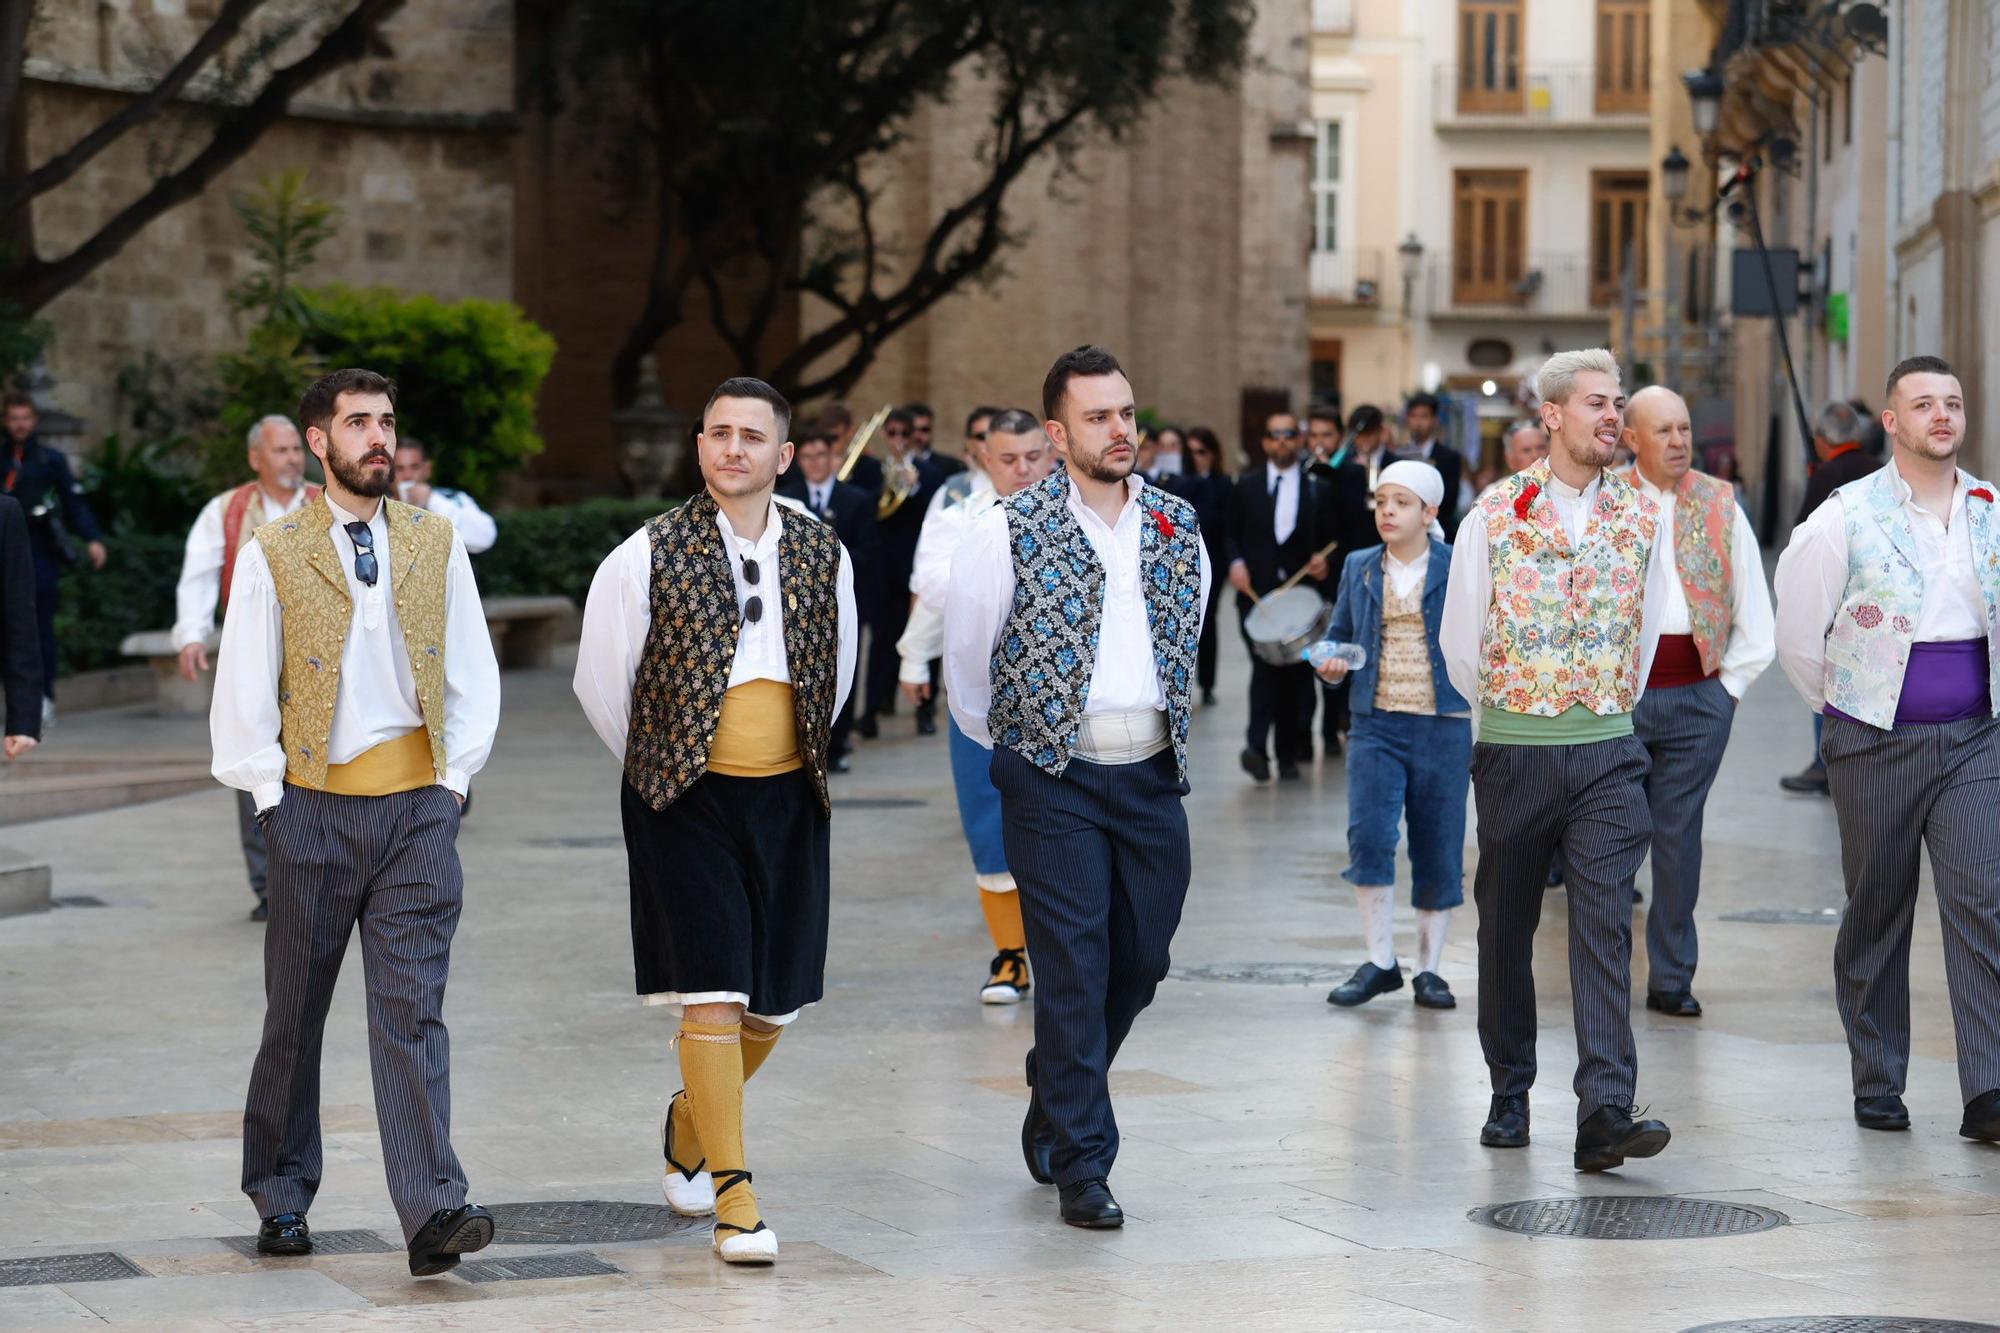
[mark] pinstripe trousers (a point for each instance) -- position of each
(1896, 793)
(1685, 729)
(1101, 859)
(390, 864)
(1588, 804)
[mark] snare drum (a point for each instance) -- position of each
(1286, 623)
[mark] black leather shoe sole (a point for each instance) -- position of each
(1639, 1143)
(1256, 765)
(284, 1247)
(1890, 1122)
(1674, 1006)
(1493, 1137)
(447, 1236)
(1098, 1220)
(1432, 992)
(1985, 1131)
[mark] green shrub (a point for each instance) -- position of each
(467, 372)
(557, 550)
(96, 609)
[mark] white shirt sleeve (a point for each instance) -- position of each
(1662, 581)
(1467, 597)
(1752, 640)
(923, 639)
(850, 632)
(617, 614)
(982, 592)
(1811, 582)
(244, 722)
(474, 524)
(201, 577)
(471, 674)
(930, 573)
(1207, 582)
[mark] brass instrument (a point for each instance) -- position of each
(860, 442)
(899, 479)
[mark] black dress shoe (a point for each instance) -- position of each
(1808, 780)
(1555, 877)
(287, 1233)
(1208, 698)
(1887, 1112)
(866, 728)
(1611, 1135)
(1331, 745)
(1038, 1139)
(1506, 1121)
(926, 724)
(1432, 991)
(838, 764)
(1982, 1118)
(1367, 982)
(1256, 765)
(1676, 1003)
(450, 1232)
(1288, 772)
(262, 911)
(1088, 1203)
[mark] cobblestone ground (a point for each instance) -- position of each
(1285, 1165)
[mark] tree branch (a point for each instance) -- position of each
(33, 283)
(19, 190)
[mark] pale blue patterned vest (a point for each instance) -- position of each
(1048, 648)
(1868, 646)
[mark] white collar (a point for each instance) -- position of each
(1423, 558)
(1905, 495)
(343, 518)
(1133, 485)
(1273, 471)
(768, 542)
(1563, 490)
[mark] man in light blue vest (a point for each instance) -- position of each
(1888, 612)
(1070, 638)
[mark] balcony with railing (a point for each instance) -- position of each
(1493, 284)
(1502, 95)
(1334, 17)
(1346, 277)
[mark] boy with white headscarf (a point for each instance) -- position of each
(1410, 750)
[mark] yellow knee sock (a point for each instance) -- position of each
(756, 1047)
(1003, 918)
(712, 1065)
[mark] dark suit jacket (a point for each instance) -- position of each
(1210, 494)
(1451, 466)
(946, 466)
(1253, 539)
(20, 641)
(42, 478)
(1354, 517)
(853, 520)
(1834, 473)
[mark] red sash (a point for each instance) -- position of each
(233, 515)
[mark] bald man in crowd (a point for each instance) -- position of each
(1716, 637)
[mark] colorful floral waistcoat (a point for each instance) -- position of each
(691, 647)
(1048, 648)
(1704, 526)
(311, 587)
(1563, 627)
(1868, 645)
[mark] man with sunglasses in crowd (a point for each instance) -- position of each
(900, 531)
(1279, 517)
(718, 645)
(356, 694)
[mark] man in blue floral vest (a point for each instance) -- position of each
(1070, 636)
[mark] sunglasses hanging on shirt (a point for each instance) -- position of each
(753, 609)
(364, 552)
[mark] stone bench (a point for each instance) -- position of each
(525, 632)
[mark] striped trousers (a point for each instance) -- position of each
(1586, 803)
(1896, 793)
(1685, 729)
(1101, 858)
(390, 865)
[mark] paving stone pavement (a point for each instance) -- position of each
(1285, 1165)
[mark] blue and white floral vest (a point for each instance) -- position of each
(1868, 646)
(1048, 648)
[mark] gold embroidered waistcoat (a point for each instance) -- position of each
(311, 586)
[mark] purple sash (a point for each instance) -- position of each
(1944, 682)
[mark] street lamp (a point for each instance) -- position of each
(1704, 90)
(1411, 254)
(1674, 175)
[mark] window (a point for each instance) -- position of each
(1326, 188)
(1489, 56)
(1489, 236)
(1617, 224)
(1623, 56)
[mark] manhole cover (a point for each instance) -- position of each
(324, 1242)
(1263, 974)
(588, 1222)
(1785, 916)
(577, 844)
(1628, 1217)
(78, 900)
(45, 1270)
(529, 1267)
(877, 803)
(1846, 1323)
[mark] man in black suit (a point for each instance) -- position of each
(921, 422)
(1420, 420)
(1280, 516)
(851, 511)
(38, 476)
(20, 641)
(900, 531)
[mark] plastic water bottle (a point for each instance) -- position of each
(1332, 650)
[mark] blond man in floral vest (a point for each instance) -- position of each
(1550, 625)
(1889, 625)
(1715, 639)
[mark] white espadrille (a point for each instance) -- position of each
(691, 1193)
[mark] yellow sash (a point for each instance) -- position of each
(757, 735)
(403, 764)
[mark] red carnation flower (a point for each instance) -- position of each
(1160, 521)
(1525, 499)
(1867, 616)
(1981, 493)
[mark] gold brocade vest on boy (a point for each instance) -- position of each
(1704, 528)
(311, 586)
(1564, 625)
(677, 693)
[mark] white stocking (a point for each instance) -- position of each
(1431, 928)
(1378, 923)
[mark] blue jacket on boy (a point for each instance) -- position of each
(1357, 618)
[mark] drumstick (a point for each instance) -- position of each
(1323, 551)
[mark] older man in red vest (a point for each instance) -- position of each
(1716, 637)
(224, 527)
